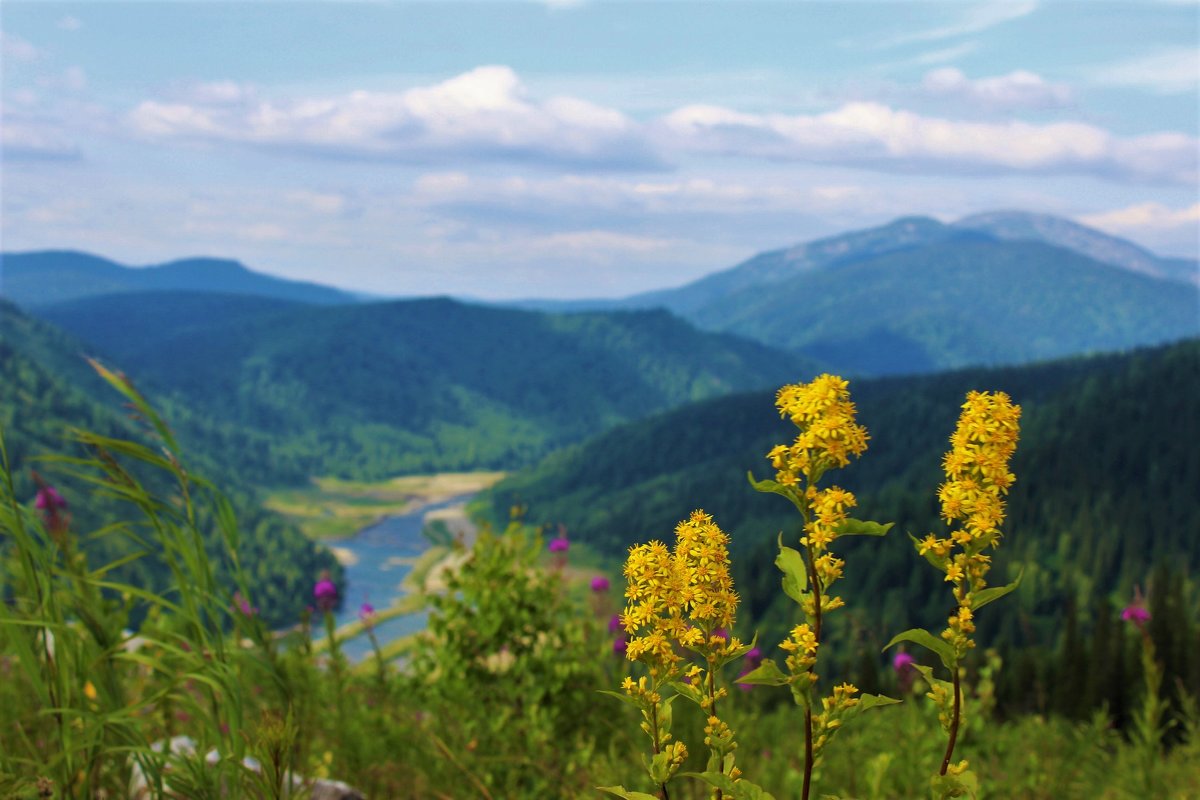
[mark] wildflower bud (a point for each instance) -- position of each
(325, 593)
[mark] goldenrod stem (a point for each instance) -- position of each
(808, 752)
(662, 790)
(953, 724)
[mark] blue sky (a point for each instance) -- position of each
(577, 149)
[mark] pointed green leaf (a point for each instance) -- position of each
(981, 599)
(774, 487)
(868, 701)
(765, 674)
(938, 561)
(660, 767)
(736, 790)
(927, 640)
(621, 791)
(622, 697)
(795, 573)
(858, 527)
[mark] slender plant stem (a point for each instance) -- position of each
(808, 722)
(662, 789)
(712, 695)
(953, 723)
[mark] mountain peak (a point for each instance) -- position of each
(1070, 235)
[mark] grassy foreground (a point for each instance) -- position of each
(499, 699)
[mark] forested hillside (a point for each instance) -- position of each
(372, 390)
(48, 388)
(1106, 469)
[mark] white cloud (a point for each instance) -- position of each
(17, 49)
(589, 194)
(70, 23)
(1017, 89)
(1144, 217)
(482, 114)
(976, 18)
(945, 54)
(32, 140)
(318, 202)
(219, 93)
(1173, 71)
(872, 135)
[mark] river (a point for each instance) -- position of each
(381, 557)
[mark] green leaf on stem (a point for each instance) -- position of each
(858, 527)
(868, 701)
(795, 573)
(660, 767)
(981, 599)
(774, 487)
(622, 697)
(940, 562)
(765, 674)
(944, 650)
(621, 791)
(736, 790)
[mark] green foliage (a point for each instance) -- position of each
(508, 641)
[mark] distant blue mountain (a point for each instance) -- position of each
(918, 295)
(54, 276)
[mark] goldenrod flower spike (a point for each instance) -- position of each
(682, 599)
(828, 437)
(972, 501)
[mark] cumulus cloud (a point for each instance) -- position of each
(873, 135)
(1172, 71)
(1016, 90)
(487, 115)
(482, 114)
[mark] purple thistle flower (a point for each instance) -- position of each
(614, 624)
(1136, 614)
(325, 593)
(600, 584)
(366, 614)
(903, 662)
(49, 500)
(243, 605)
(754, 656)
(559, 545)
(620, 646)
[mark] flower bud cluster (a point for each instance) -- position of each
(833, 711)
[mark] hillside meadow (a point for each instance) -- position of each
(503, 696)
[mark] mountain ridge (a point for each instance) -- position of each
(43, 277)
